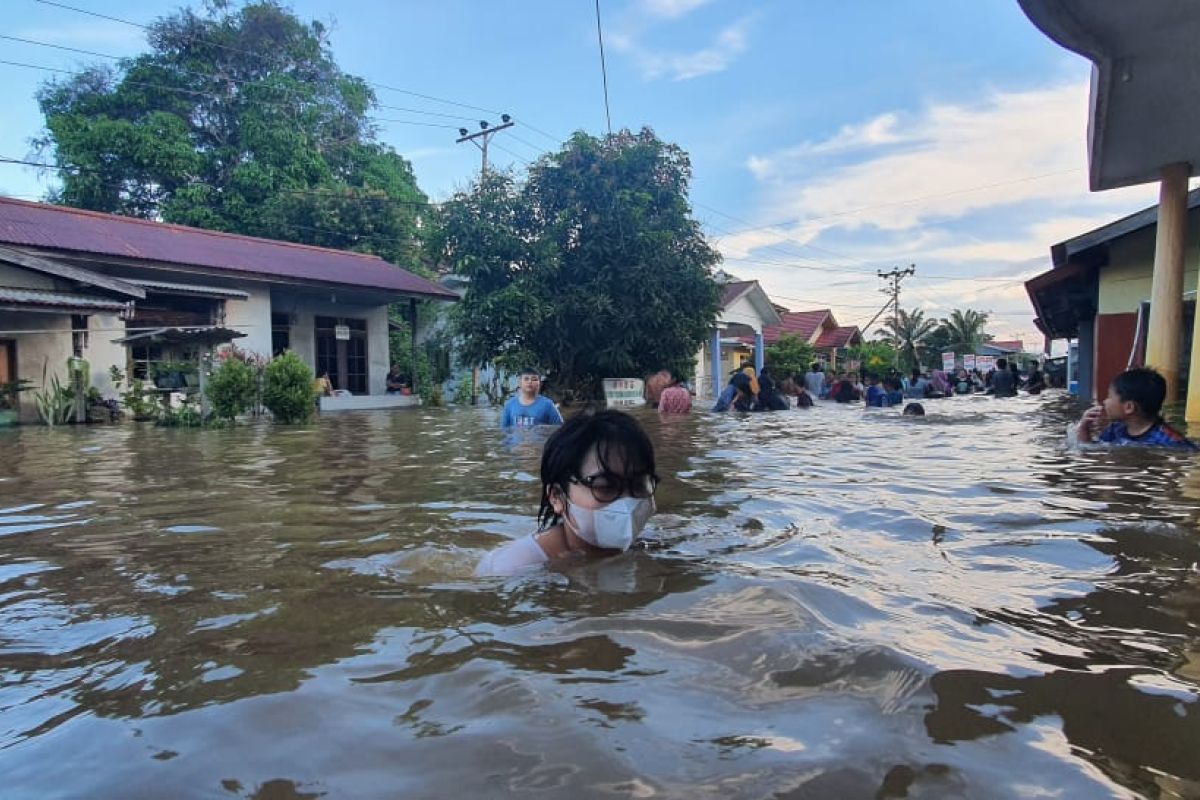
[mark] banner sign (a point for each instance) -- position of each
(969, 362)
(624, 392)
(948, 362)
(985, 363)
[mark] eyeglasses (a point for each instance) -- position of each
(606, 487)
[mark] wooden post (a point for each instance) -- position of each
(1166, 293)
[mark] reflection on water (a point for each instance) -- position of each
(829, 603)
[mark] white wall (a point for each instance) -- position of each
(304, 309)
(47, 344)
(741, 312)
(251, 317)
(101, 353)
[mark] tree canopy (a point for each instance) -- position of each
(592, 268)
(907, 333)
(239, 121)
(790, 355)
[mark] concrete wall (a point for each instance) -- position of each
(46, 342)
(253, 318)
(102, 354)
(741, 312)
(305, 309)
(1125, 280)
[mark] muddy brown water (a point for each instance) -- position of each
(830, 603)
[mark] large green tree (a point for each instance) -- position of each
(235, 120)
(592, 268)
(789, 355)
(907, 332)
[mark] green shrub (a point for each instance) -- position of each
(232, 388)
(288, 389)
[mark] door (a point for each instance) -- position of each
(8, 360)
(344, 359)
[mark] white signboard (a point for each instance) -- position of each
(985, 363)
(948, 362)
(624, 392)
(341, 331)
(969, 362)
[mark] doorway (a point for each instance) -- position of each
(342, 352)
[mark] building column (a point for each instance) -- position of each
(759, 355)
(1166, 292)
(716, 363)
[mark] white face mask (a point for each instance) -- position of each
(613, 526)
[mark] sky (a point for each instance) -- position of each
(828, 140)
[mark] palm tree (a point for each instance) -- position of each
(964, 330)
(907, 332)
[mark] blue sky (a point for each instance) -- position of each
(827, 139)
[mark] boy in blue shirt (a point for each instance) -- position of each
(528, 408)
(1131, 410)
(876, 395)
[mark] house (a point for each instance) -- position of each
(819, 329)
(79, 283)
(744, 314)
(1099, 290)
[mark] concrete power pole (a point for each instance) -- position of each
(480, 139)
(896, 275)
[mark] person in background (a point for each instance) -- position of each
(918, 385)
(1036, 382)
(1130, 415)
(962, 383)
(598, 483)
(1004, 381)
(914, 410)
(814, 380)
(397, 382)
(527, 407)
(876, 395)
(654, 387)
(895, 394)
(769, 398)
(737, 394)
(939, 385)
(846, 390)
(675, 399)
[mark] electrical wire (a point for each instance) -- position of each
(603, 68)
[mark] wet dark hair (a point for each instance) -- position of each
(816, 366)
(1143, 386)
(914, 410)
(615, 435)
(529, 371)
(1001, 363)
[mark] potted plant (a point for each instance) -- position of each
(8, 400)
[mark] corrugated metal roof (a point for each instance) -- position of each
(167, 287)
(55, 227)
(42, 297)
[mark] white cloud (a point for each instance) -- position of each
(729, 43)
(672, 9)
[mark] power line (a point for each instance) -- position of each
(376, 84)
(603, 68)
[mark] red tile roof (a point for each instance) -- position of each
(843, 336)
(1012, 345)
(55, 227)
(797, 323)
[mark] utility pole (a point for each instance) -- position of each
(480, 138)
(896, 276)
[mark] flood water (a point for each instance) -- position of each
(830, 603)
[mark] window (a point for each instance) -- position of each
(281, 333)
(142, 358)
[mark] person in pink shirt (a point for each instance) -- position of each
(675, 399)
